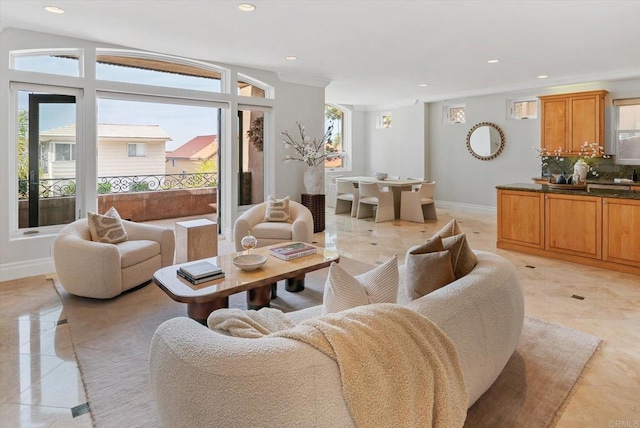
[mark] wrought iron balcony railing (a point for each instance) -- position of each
(57, 187)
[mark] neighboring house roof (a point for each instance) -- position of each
(200, 147)
(111, 130)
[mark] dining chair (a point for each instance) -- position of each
(415, 187)
(346, 197)
(418, 206)
(332, 191)
(370, 196)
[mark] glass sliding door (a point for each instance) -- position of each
(250, 157)
(46, 159)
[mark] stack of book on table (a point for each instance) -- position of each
(292, 251)
(197, 273)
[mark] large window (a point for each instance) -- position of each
(339, 140)
(627, 131)
(45, 161)
(65, 62)
(146, 69)
(162, 122)
(250, 156)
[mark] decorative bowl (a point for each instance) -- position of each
(249, 261)
(381, 175)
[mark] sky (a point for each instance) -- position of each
(181, 123)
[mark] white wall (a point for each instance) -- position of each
(399, 150)
(305, 105)
(467, 182)
(431, 149)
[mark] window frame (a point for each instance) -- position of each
(72, 151)
(136, 155)
(617, 131)
(346, 138)
(446, 114)
(511, 108)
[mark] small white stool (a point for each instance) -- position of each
(196, 239)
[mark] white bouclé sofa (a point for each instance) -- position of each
(202, 378)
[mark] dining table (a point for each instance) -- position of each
(395, 186)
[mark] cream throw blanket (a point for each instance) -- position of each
(397, 367)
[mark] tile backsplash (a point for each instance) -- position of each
(607, 169)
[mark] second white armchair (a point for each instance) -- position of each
(299, 228)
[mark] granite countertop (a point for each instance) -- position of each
(604, 182)
(542, 188)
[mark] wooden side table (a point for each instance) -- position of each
(196, 239)
(315, 203)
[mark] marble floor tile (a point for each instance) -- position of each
(40, 382)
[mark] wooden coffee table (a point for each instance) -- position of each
(202, 299)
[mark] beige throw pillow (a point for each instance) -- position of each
(449, 229)
(463, 259)
(277, 210)
(428, 267)
(107, 228)
(344, 291)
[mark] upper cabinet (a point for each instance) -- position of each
(568, 120)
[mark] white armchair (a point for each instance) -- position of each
(370, 196)
(418, 206)
(273, 232)
(102, 271)
(346, 197)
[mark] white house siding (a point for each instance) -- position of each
(185, 165)
(114, 160)
(63, 169)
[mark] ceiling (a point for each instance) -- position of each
(374, 53)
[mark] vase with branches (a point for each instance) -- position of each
(559, 162)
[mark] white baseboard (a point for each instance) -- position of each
(481, 209)
(9, 271)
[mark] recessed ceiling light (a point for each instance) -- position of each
(493, 61)
(423, 85)
(542, 76)
(53, 9)
(291, 57)
(246, 7)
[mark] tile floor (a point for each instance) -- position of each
(40, 385)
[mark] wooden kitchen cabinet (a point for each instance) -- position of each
(570, 225)
(568, 120)
(520, 218)
(573, 225)
(621, 231)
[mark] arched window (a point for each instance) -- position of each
(340, 144)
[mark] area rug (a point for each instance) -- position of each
(111, 339)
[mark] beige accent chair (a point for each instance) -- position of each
(347, 196)
(102, 271)
(370, 196)
(418, 206)
(299, 229)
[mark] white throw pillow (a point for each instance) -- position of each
(107, 228)
(277, 210)
(344, 291)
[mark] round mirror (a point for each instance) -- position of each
(485, 141)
